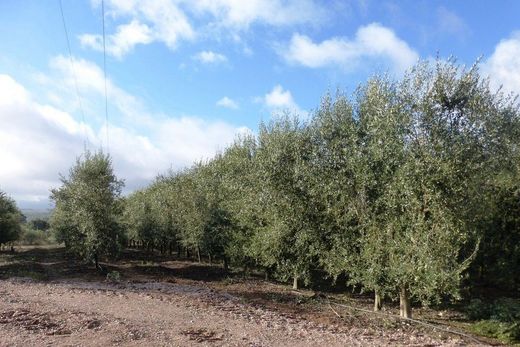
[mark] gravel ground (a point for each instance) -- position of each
(90, 313)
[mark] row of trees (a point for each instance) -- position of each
(88, 209)
(408, 188)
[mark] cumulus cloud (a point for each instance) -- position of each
(210, 57)
(228, 103)
(503, 67)
(279, 100)
(242, 14)
(90, 80)
(39, 140)
(123, 41)
(171, 21)
(373, 41)
(150, 21)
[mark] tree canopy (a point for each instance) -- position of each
(87, 216)
(408, 189)
(10, 219)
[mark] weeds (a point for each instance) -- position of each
(113, 276)
(34, 275)
(499, 319)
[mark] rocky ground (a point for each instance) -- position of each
(179, 311)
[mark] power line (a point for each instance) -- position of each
(83, 124)
(105, 71)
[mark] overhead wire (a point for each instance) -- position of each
(105, 74)
(86, 140)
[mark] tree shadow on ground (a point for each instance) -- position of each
(43, 263)
(195, 272)
(53, 263)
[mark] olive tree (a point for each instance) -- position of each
(239, 190)
(10, 219)
(429, 141)
(88, 211)
(288, 242)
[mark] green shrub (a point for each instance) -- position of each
(34, 237)
(477, 309)
(113, 276)
(506, 332)
(34, 275)
(502, 310)
(498, 319)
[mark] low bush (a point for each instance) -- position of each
(113, 276)
(34, 237)
(498, 319)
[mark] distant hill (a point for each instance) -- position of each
(33, 214)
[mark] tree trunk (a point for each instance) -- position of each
(295, 283)
(96, 261)
(226, 265)
(377, 301)
(198, 254)
(210, 259)
(404, 303)
(171, 247)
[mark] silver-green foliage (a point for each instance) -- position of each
(10, 219)
(87, 216)
(288, 242)
(394, 187)
(431, 143)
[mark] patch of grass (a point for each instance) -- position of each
(113, 276)
(499, 319)
(505, 332)
(37, 276)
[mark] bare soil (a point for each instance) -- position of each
(46, 299)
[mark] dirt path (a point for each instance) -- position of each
(82, 313)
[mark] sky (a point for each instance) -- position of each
(185, 77)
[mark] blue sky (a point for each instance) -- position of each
(185, 76)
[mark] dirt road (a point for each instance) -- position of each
(83, 313)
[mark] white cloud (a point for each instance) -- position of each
(40, 140)
(373, 41)
(279, 100)
(171, 21)
(91, 84)
(237, 14)
(227, 103)
(150, 21)
(190, 138)
(209, 57)
(503, 67)
(123, 41)
(37, 142)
